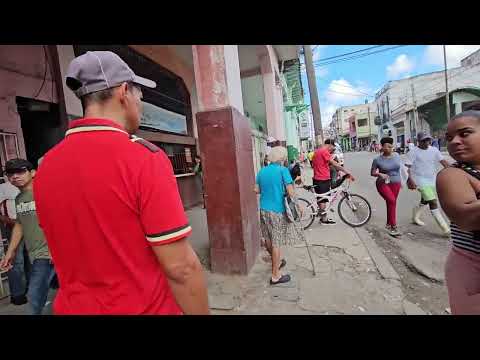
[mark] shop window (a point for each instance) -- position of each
(182, 157)
(171, 95)
(362, 122)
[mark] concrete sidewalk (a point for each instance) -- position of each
(348, 280)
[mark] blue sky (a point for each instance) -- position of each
(351, 82)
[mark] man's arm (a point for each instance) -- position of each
(166, 229)
(185, 276)
(339, 167)
(15, 239)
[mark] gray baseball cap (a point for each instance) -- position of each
(100, 70)
(423, 136)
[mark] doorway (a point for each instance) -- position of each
(41, 127)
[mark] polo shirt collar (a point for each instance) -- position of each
(93, 124)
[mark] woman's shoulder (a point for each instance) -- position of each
(451, 173)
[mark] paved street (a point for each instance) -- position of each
(419, 255)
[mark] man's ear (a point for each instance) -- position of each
(33, 172)
(122, 92)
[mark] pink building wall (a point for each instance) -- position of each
(22, 68)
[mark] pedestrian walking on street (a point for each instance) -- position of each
(273, 183)
(459, 194)
(110, 206)
(386, 168)
(422, 164)
(20, 173)
(310, 156)
(295, 172)
(19, 274)
(322, 180)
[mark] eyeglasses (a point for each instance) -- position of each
(12, 172)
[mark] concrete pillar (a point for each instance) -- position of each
(72, 103)
(273, 95)
(217, 76)
(226, 148)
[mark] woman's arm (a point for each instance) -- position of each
(458, 198)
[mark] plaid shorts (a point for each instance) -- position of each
(274, 227)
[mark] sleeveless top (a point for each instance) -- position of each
(466, 240)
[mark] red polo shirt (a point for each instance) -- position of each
(321, 164)
(102, 202)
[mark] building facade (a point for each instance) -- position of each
(354, 126)
(218, 101)
(398, 102)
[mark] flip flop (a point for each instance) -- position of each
(283, 279)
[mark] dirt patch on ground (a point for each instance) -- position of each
(430, 295)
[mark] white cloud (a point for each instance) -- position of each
(341, 92)
(433, 54)
(402, 65)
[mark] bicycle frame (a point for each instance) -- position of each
(332, 195)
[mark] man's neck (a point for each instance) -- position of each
(28, 187)
(100, 112)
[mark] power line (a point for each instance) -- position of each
(349, 53)
(358, 56)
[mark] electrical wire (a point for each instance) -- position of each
(358, 56)
(345, 54)
(44, 74)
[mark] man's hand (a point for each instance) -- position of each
(185, 276)
(411, 184)
(7, 261)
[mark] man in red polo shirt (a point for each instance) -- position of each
(322, 159)
(109, 205)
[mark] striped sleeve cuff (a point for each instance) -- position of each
(169, 236)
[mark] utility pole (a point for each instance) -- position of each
(312, 87)
(369, 126)
(447, 97)
(415, 113)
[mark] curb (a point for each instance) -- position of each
(381, 262)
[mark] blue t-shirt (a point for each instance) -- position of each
(272, 180)
(390, 166)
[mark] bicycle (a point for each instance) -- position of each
(354, 203)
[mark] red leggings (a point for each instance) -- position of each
(390, 193)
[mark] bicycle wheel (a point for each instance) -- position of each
(308, 213)
(354, 210)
